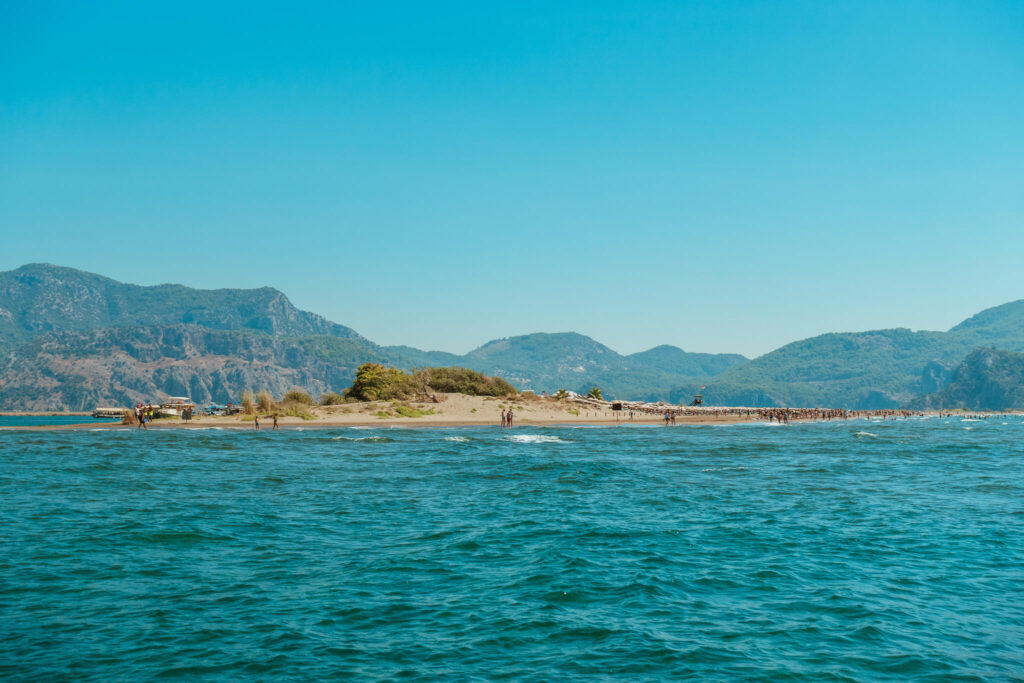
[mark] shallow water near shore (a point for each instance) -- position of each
(809, 552)
(50, 420)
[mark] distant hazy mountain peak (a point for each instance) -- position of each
(549, 344)
(997, 317)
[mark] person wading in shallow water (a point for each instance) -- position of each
(257, 422)
(275, 422)
(504, 420)
(509, 418)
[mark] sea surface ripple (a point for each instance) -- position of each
(810, 552)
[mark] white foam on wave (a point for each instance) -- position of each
(534, 438)
(459, 439)
(360, 438)
(866, 434)
(968, 427)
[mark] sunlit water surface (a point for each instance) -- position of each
(814, 552)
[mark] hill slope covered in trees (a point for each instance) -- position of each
(875, 369)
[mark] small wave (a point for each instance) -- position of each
(459, 439)
(866, 435)
(362, 438)
(534, 438)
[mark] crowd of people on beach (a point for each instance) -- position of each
(780, 415)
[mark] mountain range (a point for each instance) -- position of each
(71, 340)
(869, 370)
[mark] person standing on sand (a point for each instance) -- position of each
(256, 421)
(275, 422)
(510, 417)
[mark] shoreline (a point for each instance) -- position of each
(411, 423)
(462, 411)
(236, 425)
(45, 413)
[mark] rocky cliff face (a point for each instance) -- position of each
(987, 379)
(71, 340)
(123, 366)
(935, 376)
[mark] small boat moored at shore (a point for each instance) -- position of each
(176, 406)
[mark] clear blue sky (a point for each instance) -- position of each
(722, 176)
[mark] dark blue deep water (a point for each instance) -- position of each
(814, 552)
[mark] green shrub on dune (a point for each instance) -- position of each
(298, 396)
(466, 381)
(292, 409)
(376, 382)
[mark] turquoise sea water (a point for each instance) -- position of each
(48, 420)
(808, 552)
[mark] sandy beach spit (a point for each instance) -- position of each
(452, 410)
